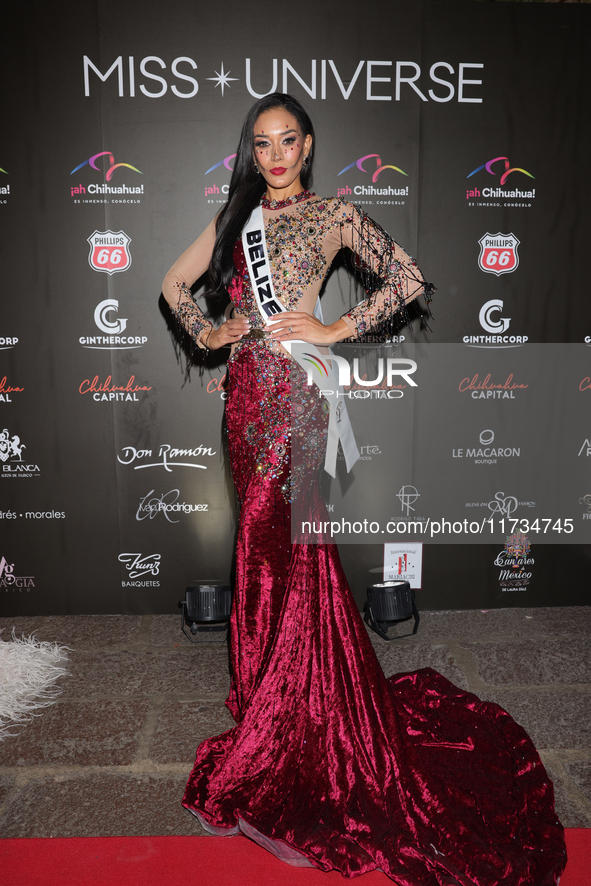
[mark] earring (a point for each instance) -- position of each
(256, 167)
(305, 163)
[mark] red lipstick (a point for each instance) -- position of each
(279, 170)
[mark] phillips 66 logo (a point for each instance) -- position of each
(109, 251)
(498, 254)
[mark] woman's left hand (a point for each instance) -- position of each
(299, 325)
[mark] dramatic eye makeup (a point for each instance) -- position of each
(261, 142)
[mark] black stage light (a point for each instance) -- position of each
(387, 603)
(206, 609)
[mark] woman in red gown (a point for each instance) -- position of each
(330, 764)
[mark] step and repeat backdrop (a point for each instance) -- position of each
(461, 127)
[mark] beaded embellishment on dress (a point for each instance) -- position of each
(283, 204)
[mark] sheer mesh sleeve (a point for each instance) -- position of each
(176, 287)
(389, 276)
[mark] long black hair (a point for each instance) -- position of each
(247, 187)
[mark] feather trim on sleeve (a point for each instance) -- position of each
(390, 277)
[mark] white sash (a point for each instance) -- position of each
(309, 357)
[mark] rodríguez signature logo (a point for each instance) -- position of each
(165, 503)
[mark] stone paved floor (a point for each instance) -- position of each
(112, 755)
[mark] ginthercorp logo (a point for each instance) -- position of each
(166, 456)
(139, 567)
(385, 387)
(11, 582)
(486, 453)
(103, 319)
(495, 325)
(109, 251)
(11, 458)
(369, 190)
(213, 190)
(8, 342)
(7, 391)
(490, 318)
(112, 325)
(498, 254)
(500, 192)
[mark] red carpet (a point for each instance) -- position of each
(193, 861)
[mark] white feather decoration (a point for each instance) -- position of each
(29, 669)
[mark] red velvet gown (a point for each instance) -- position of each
(330, 763)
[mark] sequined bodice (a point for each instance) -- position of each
(301, 244)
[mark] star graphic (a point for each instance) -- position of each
(222, 79)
